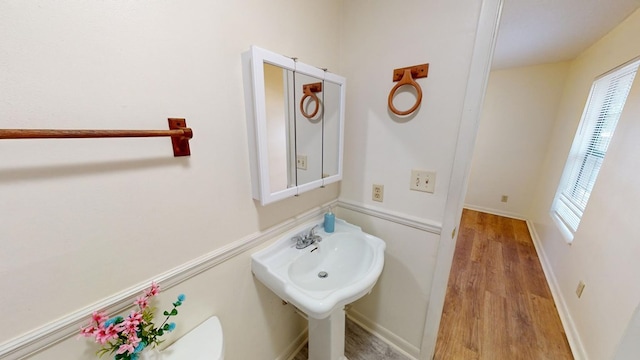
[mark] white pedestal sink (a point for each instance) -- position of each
(322, 278)
(326, 337)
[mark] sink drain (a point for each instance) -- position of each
(323, 274)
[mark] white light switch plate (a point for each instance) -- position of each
(422, 180)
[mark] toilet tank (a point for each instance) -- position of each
(205, 342)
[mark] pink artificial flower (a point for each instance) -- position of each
(134, 340)
(99, 317)
(130, 324)
(126, 348)
(142, 302)
(104, 335)
(88, 331)
(134, 317)
(130, 329)
(154, 290)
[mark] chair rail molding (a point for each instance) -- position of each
(54, 332)
(432, 226)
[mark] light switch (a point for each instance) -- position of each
(422, 180)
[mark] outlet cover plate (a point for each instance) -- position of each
(580, 289)
(422, 180)
(301, 162)
(377, 192)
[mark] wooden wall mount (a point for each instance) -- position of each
(417, 72)
(309, 90)
(180, 143)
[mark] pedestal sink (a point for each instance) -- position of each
(322, 278)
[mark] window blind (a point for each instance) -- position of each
(600, 117)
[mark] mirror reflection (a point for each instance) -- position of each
(331, 129)
(279, 147)
(308, 128)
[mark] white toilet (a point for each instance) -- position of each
(205, 342)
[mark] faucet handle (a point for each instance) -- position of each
(312, 232)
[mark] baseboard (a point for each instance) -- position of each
(67, 327)
(491, 211)
(577, 347)
(400, 345)
(292, 350)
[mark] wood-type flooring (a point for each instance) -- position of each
(498, 304)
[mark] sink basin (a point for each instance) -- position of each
(336, 262)
(324, 276)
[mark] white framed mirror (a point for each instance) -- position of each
(295, 124)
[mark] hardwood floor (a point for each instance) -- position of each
(498, 304)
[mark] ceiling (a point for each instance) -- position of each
(547, 31)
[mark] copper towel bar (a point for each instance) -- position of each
(178, 131)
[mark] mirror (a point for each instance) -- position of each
(295, 122)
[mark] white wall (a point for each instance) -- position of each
(77, 214)
(397, 307)
(517, 120)
(83, 220)
(381, 148)
(629, 347)
(604, 253)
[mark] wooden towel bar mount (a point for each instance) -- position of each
(309, 90)
(178, 131)
(406, 76)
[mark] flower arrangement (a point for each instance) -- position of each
(128, 336)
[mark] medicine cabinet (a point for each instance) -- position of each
(295, 124)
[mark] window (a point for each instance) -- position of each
(606, 101)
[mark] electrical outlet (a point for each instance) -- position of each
(580, 289)
(422, 180)
(301, 162)
(377, 194)
(504, 198)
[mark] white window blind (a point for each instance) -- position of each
(599, 120)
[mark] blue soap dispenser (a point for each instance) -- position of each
(329, 221)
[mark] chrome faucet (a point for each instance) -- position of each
(302, 241)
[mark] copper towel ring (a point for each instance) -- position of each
(406, 76)
(309, 90)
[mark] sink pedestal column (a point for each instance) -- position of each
(326, 337)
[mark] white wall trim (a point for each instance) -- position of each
(577, 347)
(292, 350)
(427, 225)
(491, 211)
(52, 333)
(382, 333)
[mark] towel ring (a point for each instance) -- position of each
(309, 90)
(408, 74)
